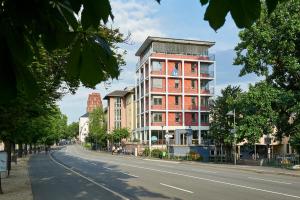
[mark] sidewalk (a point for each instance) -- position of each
(17, 186)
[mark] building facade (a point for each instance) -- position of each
(83, 127)
(175, 81)
(94, 101)
(121, 109)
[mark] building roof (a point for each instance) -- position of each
(85, 115)
(150, 39)
(119, 93)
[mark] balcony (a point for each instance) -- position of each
(209, 74)
(207, 91)
(163, 123)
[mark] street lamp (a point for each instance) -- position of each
(162, 129)
(232, 113)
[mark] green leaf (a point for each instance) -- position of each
(94, 11)
(216, 13)
(73, 64)
(70, 17)
(203, 2)
(26, 82)
(90, 68)
(245, 12)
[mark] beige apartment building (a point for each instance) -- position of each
(121, 110)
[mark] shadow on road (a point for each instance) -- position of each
(52, 181)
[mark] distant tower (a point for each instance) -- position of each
(94, 101)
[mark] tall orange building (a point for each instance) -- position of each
(175, 81)
(94, 101)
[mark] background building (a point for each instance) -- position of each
(175, 80)
(121, 109)
(94, 101)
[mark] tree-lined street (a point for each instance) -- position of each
(75, 172)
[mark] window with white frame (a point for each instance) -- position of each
(156, 66)
(157, 117)
(157, 100)
(177, 100)
(194, 67)
(157, 83)
(117, 111)
(194, 119)
(193, 84)
(177, 83)
(177, 117)
(193, 101)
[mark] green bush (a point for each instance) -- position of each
(156, 153)
(87, 145)
(146, 151)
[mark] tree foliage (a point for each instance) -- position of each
(120, 133)
(97, 127)
(271, 48)
(29, 26)
(258, 114)
(221, 124)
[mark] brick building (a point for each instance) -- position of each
(94, 101)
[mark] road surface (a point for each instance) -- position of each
(75, 173)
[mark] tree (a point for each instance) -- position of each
(97, 127)
(120, 133)
(258, 115)
(221, 125)
(271, 48)
(27, 27)
(295, 142)
(72, 130)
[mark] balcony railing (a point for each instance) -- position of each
(207, 91)
(209, 74)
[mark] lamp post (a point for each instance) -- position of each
(162, 129)
(232, 113)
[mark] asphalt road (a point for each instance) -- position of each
(74, 173)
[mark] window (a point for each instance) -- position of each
(157, 117)
(176, 83)
(193, 67)
(193, 84)
(117, 111)
(194, 118)
(177, 100)
(193, 101)
(177, 117)
(204, 118)
(204, 85)
(177, 64)
(156, 66)
(157, 100)
(204, 68)
(157, 83)
(204, 101)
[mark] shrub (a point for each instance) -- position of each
(146, 151)
(156, 153)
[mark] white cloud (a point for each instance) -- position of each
(137, 18)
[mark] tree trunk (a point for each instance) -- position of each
(30, 148)
(7, 148)
(20, 150)
(25, 150)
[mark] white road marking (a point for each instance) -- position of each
(165, 161)
(205, 179)
(177, 188)
(268, 180)
(108, 168)
(94, 164)
(90, 180)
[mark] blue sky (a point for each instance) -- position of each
(172, 18)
